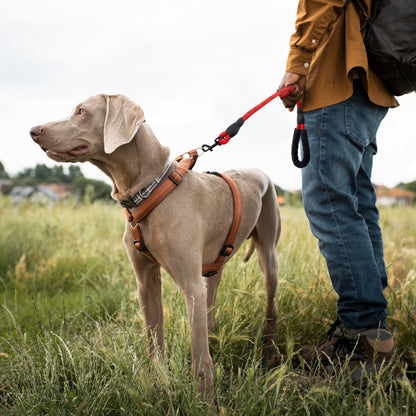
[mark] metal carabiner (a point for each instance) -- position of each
(207, 147)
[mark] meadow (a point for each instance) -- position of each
(72, 337)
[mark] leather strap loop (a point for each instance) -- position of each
(212, 268)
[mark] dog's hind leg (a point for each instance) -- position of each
(212, 283)
(265, 238)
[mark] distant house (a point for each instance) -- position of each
(62, 190)
(4, 185)
(395, 196)
(40, 193)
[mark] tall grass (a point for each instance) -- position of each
(72, 337)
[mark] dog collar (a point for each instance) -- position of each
(145, 192)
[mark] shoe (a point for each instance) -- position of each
(365, 352)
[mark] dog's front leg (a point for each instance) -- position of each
(149, 285)
(195, 293)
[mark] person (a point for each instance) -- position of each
(344, 103)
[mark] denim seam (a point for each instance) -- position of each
(330, 201)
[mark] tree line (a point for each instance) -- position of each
(92, 189)
(81, 187)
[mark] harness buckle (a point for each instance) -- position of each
(227, 250)
(178, 178)
(139, 245)
(209, 274)
(145, 193)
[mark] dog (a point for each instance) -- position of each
(186, 230)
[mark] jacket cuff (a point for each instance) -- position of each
(299, 61)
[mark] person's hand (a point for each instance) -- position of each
(299, 81)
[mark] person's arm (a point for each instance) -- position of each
(313, 19)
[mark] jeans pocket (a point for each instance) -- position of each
(362, 120)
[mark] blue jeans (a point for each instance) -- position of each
(340, 203)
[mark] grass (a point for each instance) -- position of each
(72, 337)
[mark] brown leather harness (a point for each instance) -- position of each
(164, 189)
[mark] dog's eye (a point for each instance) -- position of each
(80, 111)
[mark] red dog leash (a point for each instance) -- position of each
(299, 134)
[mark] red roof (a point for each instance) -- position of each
(395, 192)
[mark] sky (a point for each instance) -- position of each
(194, 67)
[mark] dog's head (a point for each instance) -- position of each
(98, 125)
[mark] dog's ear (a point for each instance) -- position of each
(122, 121)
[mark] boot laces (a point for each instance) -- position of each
(344, 346)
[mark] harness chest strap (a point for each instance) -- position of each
(167, 186)
(164, 189)
(155, 198)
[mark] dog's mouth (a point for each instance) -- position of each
(79, 151)
(71, 155)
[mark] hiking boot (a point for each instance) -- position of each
(312, 354)
(364, 351)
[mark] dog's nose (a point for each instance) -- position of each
(35, 132)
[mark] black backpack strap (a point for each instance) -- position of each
(364, 17)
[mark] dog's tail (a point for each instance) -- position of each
(249, 251)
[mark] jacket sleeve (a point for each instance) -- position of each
(313, 19)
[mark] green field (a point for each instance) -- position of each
(72, 337)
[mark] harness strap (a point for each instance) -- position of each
(167, 186)
(155, 198)
(212, 268)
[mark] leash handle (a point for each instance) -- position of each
(300, 134)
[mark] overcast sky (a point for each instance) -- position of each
(194, 67)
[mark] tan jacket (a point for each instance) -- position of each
(326, 46)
